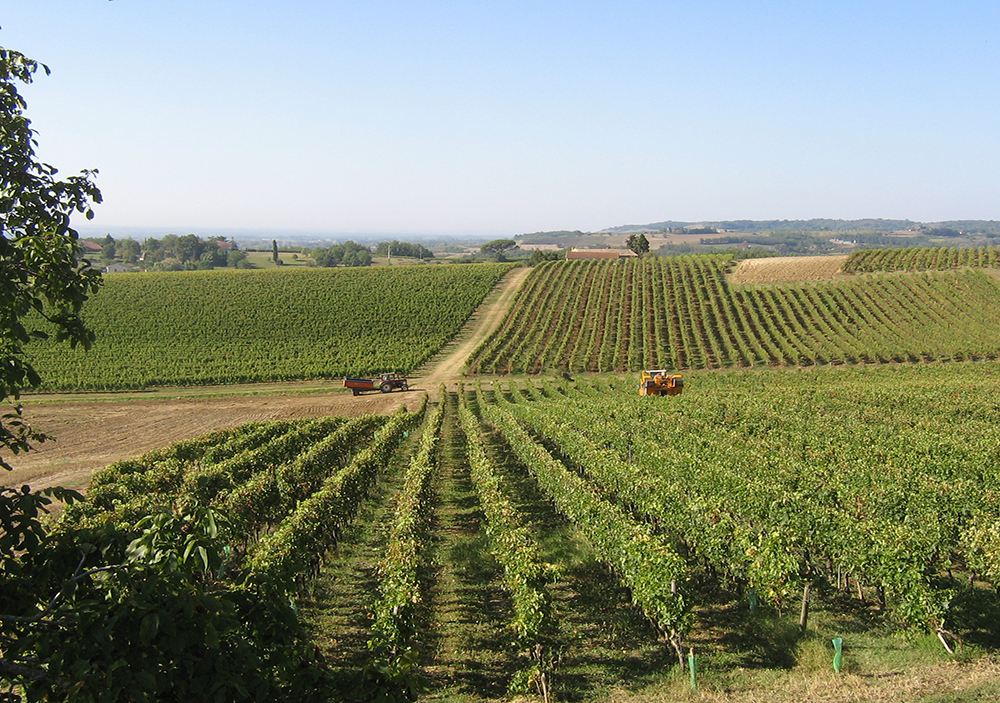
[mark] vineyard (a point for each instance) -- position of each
(223, 327)
(558, 537)
(922, 259)
(681, 313)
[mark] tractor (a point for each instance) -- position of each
(386, 382)
(659, 382)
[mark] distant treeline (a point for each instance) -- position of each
(411, 249)
(819, 225)
(350, 253)
(171, 253)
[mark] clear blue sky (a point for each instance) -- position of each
(506, 117)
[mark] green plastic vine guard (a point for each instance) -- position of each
(752, 600)
(693, 668)
(838, 657)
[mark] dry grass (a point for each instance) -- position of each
(938, 683)
(788, 268)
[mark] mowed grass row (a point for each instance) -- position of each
(681, 312)
(217, 327)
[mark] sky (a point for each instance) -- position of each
(470, 118)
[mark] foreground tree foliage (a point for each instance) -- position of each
(90, 614)
(38, 267)
(106, 614)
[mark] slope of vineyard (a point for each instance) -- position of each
(922, 259)
(219, 327)
(777, 481)
(870, 493)
(680, 312)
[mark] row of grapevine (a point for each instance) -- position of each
(270, 493)
(194, 470)
(644, 561)
(510, 541)
(209, 448)
(777, 488)
(921, 259)
(294, 550)
(214, 327)
(399, 590)
(681, 313)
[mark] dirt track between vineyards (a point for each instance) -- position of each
(94, 430)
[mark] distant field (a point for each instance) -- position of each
(788, 268)
(681, 312)
(265, 259)
(228, 326)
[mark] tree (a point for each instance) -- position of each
(40, 277)
(497, 247)
(109, 251)
(349, 253)
(107, 614)
(538, 256)
(237, 259)
(638, 243)
(396, 248)
(189, 248)
(129, 250)
(274, 250)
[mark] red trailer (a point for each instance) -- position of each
(386, 383)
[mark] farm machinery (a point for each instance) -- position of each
(659, 382)
(386, 382)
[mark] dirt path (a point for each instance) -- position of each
(92, 431)
(446, 367)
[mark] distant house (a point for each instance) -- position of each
(89, 247)
(599, 254)
(115, 268)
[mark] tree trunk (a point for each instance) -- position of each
(804, 614)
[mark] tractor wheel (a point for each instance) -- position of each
(404, 386)
(386, 387)
(355, 392)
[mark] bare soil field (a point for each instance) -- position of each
(788, 268)
(94, 430)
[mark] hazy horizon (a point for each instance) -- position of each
(458, 119)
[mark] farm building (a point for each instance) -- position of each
(599, 254)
